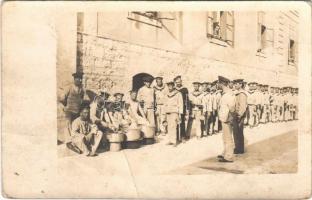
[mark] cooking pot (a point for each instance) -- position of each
(133, 134)
(148, 131)
(115, 137)
(115, 147)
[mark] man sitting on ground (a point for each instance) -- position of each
(85, 135)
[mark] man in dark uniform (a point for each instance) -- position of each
(186, 107)
(72, 100)
(239, 116)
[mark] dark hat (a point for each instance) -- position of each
(238, 80)
(214, 82)
(265, 85)
(147, 79)
(84, 105)
(222, 79)
(159, 77)
(177, 77)
(204, 83)
(196, 83)
(77, 75)
(170, 83)
(118, 93)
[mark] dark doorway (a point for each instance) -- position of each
(137, 81)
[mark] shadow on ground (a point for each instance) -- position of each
(275, 155)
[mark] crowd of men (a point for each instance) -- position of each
(176, 111)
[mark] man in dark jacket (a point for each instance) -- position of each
(186, 107)
(239, 116)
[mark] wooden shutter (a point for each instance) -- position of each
(229, 27)
(260, 16)
(209, 25)
(269, 37)
(296, 52)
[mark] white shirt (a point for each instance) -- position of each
(227, 105)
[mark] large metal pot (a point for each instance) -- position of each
(115, 137)
(115, 147)
(133, 134)
(148, 131)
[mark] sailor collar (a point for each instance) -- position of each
(196, 93)
(172, 94)
(159, 88)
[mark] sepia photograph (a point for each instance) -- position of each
(177, 98)
(156, 100)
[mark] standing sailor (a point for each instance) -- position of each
(207, 107)
(146, 96)
(239, 116)
(160, 95)
(197, 109)
(226, 109)
(186, 108)
(252, 105)
(174, 110)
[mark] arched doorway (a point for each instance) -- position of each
(137, 81)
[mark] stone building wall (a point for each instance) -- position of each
(112, 49)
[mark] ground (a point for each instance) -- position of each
(271, 148)
(132, 173)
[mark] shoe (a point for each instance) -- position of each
(220, 156)
(73, 148)
(224, 160)
(92, 154)
(169, 143)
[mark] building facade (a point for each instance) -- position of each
(113, 48)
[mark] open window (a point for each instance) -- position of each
(291, 52)
(149, 18)
(220, 26)
(265, 36)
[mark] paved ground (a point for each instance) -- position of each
(267, 156)
(132, 173)
(271, 148)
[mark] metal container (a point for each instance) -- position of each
(115, 147)
(148, 131)
(115, 137)
(133, 135)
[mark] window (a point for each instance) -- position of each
(148, 18)
(220, 26)
(265, 34)
(291, 52)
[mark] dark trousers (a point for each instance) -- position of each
(182, 129)
(238, 134)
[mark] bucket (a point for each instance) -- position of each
(133, 135)
(148, 131)
(115, 137)
(114, 147)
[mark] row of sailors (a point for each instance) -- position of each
(172, 109)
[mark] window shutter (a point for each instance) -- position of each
(269, 37)
(209, 24)
(260, 23)
(230, 28)
(296, 52)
